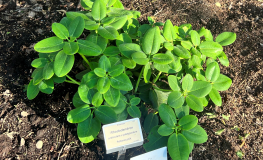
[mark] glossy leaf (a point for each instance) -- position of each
(49, 45)
(65, 21)
(200, 88)
(226, 38)
(37, 76)
(90, 79)
(112, 96)
(178, 147)
(103, 85)
(97, 39)
(182, 111)
(196, 62)
(223, 59)
(168, 31)
(187, 44)
(195, 38)
(97, 99)
(210, 49)
(167, 115)
(173, 83)
(99, 10)
(158, 97)
(77, 102)
(108, 32)
(60, 30)
(71, 48)
(215, 97)
(135, 101)
(107, 20)
(48, 70)
(127, 49)
(175, 99)
(46, 86)
(147, 73)
(123, 38)
(134, 111)
(168, 46)
(39, 62)
(105, 114)
(85, 93)
(32, 90)
(180, 51)
(76, 27)
(100, 72)
(150, 121)
(194, 103)
(164, 130)
(140, 58)
(188, 82)
(116, 70)
(91, 25)
(196, 135)
(79, 114)
(188, 122)
(162, 58)
(111, 51)
(121, 82)
(88, 130)
(88, 48)
(74, 15)
(118, 4)
(118, 22)
(122, 116)
(129, 63)
(222, 83)
(63, 63)
(151, 41)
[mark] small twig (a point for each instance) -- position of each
(61, 150)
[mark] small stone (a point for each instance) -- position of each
(24, 114)
(218, 4)
(22, 142)
(39, 144)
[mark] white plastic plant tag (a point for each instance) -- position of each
(158, 154)
(125, 134)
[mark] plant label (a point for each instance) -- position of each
(122, 135)
(158, 154)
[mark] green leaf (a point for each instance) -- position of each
(134, 111)
(173, 83)
(88, 129)
(127, 49)
(208, 35)
(60, 30)
(196, 135)
(71, 48)
(112, 96)
(182, 111)
(63, 64)
(151, 41)
(168, 31)
(39, 62)
(194, 103)
(195, 52)
(57, 79)
(108, 32)
(195, 38)
(210, 49)
(140, 58)
(123, 38)
(180, 51)
(226, 38)
(97, 39)
(200, 88)
(90, 79)
(74, 15)
(215, 97)
(100, 72)
(85, 93)
(188, 122)
(164, 130)
(188, 82)
(116, 70)
(155, 140)
(37, 76)
(98, 10)
(104, 63)
(196, 62)
(77, 102)
(118, 22)
(223, 59)
(105, 114)
(175, 99)
(88, 48)
(76, 27)
(118, 4)
(166, 68)
(46, 86)
(122, 116)
(91, 25)
(32, 90)
(121, 82)
(129, 63)
(79, 114)
(178, 147)
(147, 73)
(97, 99)
(135, 101)
(158, 97)
(48, 70)
(150, 121)
(48, 45)
(222, 83)
(168, 46)
(103, 85)
(111, 51)
(204, 100)
(65, 21)
(167, 115)
(212, 72)
(162, 58)
(107, 20)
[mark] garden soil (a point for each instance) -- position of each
(38, 129)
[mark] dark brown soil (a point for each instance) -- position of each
(23, 123)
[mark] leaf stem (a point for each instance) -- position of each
(157, 77)
(165, 90)
(139, 78)
(86, 60)
(72, 80)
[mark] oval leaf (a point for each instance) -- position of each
(226, 38)
(151, 41)
(200, 89)
(32, 90)
(196, 135)
(134, 111)
(116, 70)
(76, 27)
(121, 82)
(98, 11)
(178, 147)
(60, 30)
(127, 49)
(63, 63)
(211, 49)
(112, 96)
(195, 38)
(108, 32)
(89, 48)
(188, 82)
(162, 58)
(180, 51)
(46, 86)
(188, 122)
(79, 114)
(175, 99)
(140, 58)
(168, 31)
(212, 72)
(48, 45)
(167, 115)
(39, 62)
(164, 130)
(194, 103)
(222, 83)
(173, 83)
(103, 85)
(215, 97)
(105, 114)
(71, 48)
(150, 121)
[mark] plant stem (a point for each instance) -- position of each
(138, 81)
(86, 60)
(157, 77)
(72, 80)
(165, 90)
